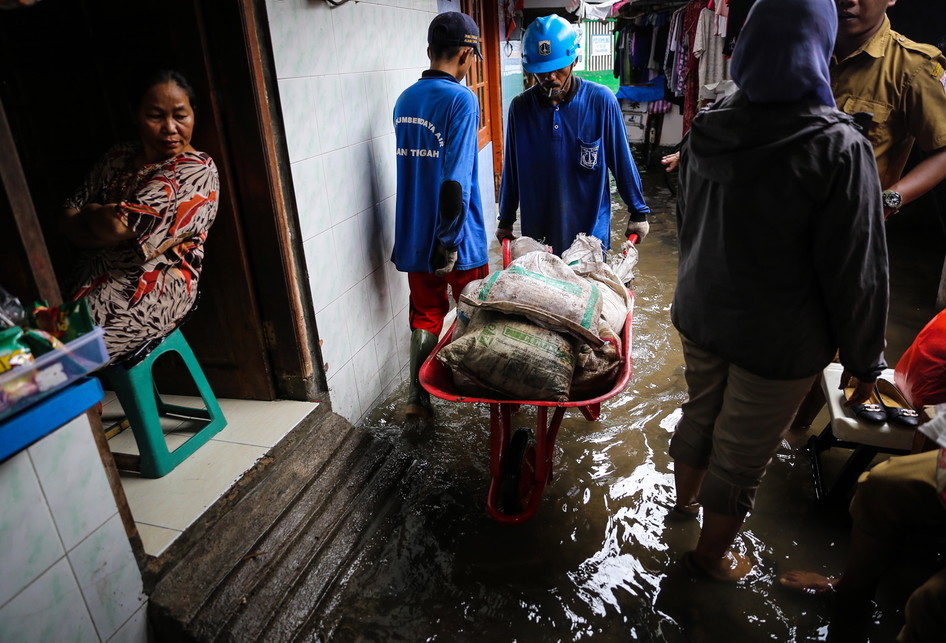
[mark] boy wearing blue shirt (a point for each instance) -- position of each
(564, 135)
(440, 236)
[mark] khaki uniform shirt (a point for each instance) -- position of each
(903, 83)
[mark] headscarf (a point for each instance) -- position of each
(783, 51)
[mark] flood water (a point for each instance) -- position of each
(601, 561)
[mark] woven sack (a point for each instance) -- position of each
(596, 369)
(513, 357)
(541, 287)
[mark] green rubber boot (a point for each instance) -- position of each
(418, 400)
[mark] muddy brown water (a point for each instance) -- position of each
(600, 561)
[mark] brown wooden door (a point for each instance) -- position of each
(63, 66)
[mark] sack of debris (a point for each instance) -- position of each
(513, 357)
(541, 287)
(524, 245)
(596, 369)
(465, 310)
(585, 254)
(586, 257)
(615, 299)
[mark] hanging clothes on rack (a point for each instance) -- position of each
(651, 46)
(600, 11)
(708, 49)
(675, 58)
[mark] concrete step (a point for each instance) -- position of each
(261, 571)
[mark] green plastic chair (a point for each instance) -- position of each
(134, 385)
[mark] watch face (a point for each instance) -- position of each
(892, 199)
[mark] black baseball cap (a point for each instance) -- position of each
(454, 29)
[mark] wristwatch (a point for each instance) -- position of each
(892, 200)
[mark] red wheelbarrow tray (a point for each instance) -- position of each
(534, 471)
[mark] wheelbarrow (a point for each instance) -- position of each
(520, 469)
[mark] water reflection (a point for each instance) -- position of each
(600, 560)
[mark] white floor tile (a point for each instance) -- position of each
(179, 498)
(261, 423)
(124, 442)
(156, 539)
(164, 507)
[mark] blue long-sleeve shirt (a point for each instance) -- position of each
(556, 165)
(435, 127)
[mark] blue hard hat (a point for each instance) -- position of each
(550, 43)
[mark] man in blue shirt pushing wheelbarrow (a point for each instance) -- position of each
(564, 135)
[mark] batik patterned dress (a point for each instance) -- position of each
(141, 288)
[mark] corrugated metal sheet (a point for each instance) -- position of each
(598, 45)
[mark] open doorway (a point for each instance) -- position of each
(64, 65)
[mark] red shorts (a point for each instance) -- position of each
(429, 300)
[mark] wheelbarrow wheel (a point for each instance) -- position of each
(518, 472)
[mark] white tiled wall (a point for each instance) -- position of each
(73, 576)
(339, 72)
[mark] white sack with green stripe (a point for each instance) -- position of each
(586, 258)
(541, 287)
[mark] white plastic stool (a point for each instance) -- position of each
(845, 430)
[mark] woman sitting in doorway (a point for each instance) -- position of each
(141, 218)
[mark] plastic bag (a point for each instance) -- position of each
(11, 310)
(65, 322)
(921, 372)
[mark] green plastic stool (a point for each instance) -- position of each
(144, 407)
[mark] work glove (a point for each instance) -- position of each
(504, 233)
(444, 259)
(640, 228)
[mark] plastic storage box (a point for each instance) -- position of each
(52, 371)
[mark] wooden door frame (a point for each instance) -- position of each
(240, 52)
(492, 81)
(20, 203)
(491, 46)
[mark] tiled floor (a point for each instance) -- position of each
(164, 507)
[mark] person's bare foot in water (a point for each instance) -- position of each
(731, 568)
(808, 582)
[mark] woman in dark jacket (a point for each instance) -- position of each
(782, 260)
